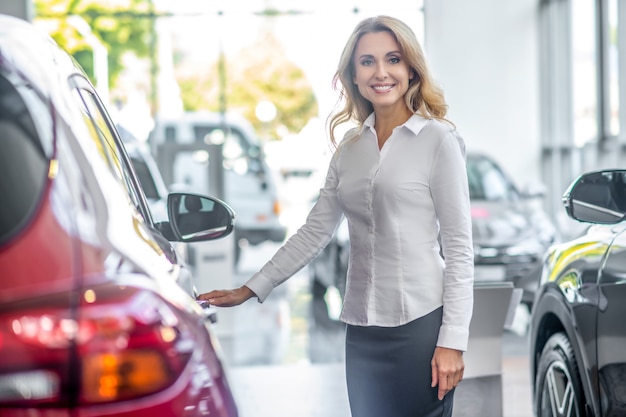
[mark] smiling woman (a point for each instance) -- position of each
(407, 326)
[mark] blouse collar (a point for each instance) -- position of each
(415, 123)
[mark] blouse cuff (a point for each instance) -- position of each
(453, 338)
(260, 285)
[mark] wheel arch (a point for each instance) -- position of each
(551, 315)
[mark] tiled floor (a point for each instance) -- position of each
(291, 390)
(306, 390)
(516, 392)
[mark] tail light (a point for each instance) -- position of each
(121, 343)
(276, 207)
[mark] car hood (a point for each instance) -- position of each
(505, 223)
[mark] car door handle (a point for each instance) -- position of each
(209, 312)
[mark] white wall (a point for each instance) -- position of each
(484, 54)
(18, 8)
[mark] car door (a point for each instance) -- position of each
(611, 328)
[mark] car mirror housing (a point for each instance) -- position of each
(597, 197)
(166, 230)
(198, 218)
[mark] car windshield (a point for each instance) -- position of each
(487, 181)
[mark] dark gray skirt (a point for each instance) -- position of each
(388, 370)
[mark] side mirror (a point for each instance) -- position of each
(197, 218)
(597, 197)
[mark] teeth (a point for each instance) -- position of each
(382, 87)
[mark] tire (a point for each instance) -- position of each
(558, 389)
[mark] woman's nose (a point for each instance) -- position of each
(381, 72)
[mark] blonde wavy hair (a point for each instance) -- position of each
(423, 97)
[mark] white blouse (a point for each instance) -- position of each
(400, 202)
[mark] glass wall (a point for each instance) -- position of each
(584, 71)
(581, 92)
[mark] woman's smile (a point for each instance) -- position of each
(383, 88)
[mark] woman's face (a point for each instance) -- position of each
(381, 73)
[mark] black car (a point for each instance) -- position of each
(578, 327)
(511, 232)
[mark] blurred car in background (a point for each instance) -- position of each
(300, 162)
(179, 145)
(510, 229)
(511, 233)
(97, 311)
(148, 173)
(577, 332)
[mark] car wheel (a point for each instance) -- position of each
(558, 391)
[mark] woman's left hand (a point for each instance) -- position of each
(447, 369)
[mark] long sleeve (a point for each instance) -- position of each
(449, 189)
(305, 244)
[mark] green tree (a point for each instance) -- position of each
(122, 26)
(256, 73)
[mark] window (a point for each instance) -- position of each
(584, 71)
(613, 69)
(238, 153)
(581, 92)
(487, 181)
(97, 123)
(145, 178)
(24, 158)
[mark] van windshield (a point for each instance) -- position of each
(239, 154)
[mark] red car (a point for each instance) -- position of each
(94, 317)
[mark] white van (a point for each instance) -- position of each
(248, 184)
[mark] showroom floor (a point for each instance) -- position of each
(319, 390)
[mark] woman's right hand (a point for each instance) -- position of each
(227, 298)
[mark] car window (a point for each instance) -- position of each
(145, 178)
(487, 181)
(107, 145)
(25, 156)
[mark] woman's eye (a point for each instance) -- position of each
(366, 62)
(394, 60)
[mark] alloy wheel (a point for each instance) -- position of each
(558, 394)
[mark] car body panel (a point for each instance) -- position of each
(611, 329)
(569, 295)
